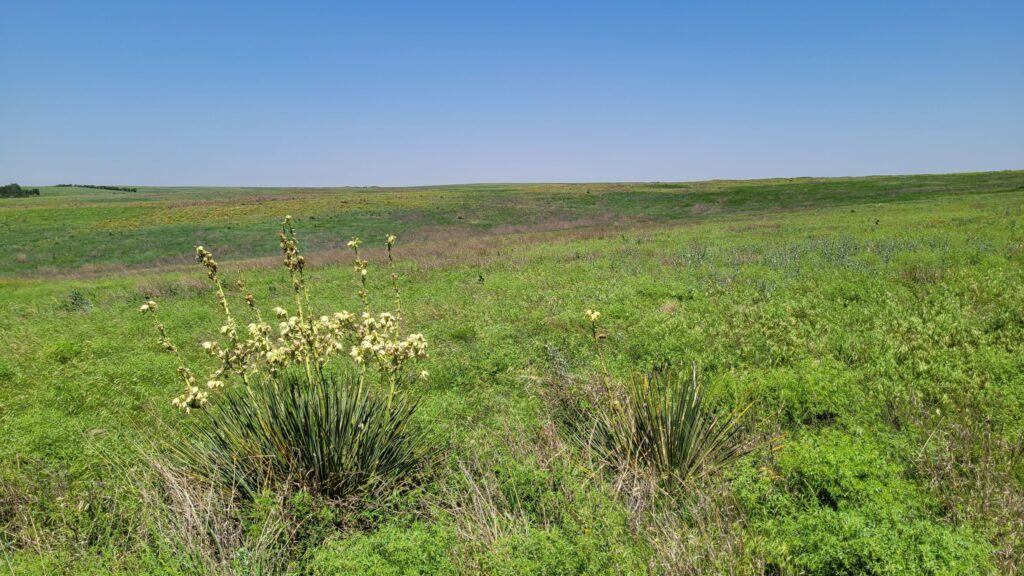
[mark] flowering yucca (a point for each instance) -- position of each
(291, 421)
(300, 337)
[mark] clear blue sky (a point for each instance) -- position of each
(392, 93)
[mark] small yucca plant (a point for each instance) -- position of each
(662, 422)
(333, 438)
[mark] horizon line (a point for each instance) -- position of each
(538, 182)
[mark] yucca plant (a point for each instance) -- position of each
(659, 421)
(334, 438)
(277, 409)
(662, 422)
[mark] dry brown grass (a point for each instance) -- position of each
(197, 516)
(483, 513)
(429, 247)
(922, 274)
(171, 288)
(703, 208)
(185, 524)
(702, 534)
(971, 467)
(203, 524)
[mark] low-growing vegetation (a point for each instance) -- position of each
(832, 388)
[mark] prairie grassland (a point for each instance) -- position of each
(69, 228)
(876, 324)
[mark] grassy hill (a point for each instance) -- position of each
(68, 229)
(876, 326)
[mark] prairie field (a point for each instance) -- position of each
(865, 336)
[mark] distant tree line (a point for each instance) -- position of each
(15, 191)
(118, 188)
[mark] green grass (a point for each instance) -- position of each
(70, 228)
(877, 324)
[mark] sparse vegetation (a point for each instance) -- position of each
(871, 331)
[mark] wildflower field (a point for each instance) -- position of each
(793, 376)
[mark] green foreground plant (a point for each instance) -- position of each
(664, 423)
(293, 419)
(660, 421)
(332, 438)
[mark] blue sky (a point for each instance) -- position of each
(395, 93)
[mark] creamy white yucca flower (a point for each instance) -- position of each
(192, 398)
(372, 341)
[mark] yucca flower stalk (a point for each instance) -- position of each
(296, 263)
(390, 240)
(193, 396)
(592, 317)
(230, 328)
(373, 342)
(360, 268)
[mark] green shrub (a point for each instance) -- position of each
(393, 550)
(522, 513)
(839, 471)
(594, 549)
(838, 543)
(836, 505)
(16, 191)
(63, 351)
(76, 301)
